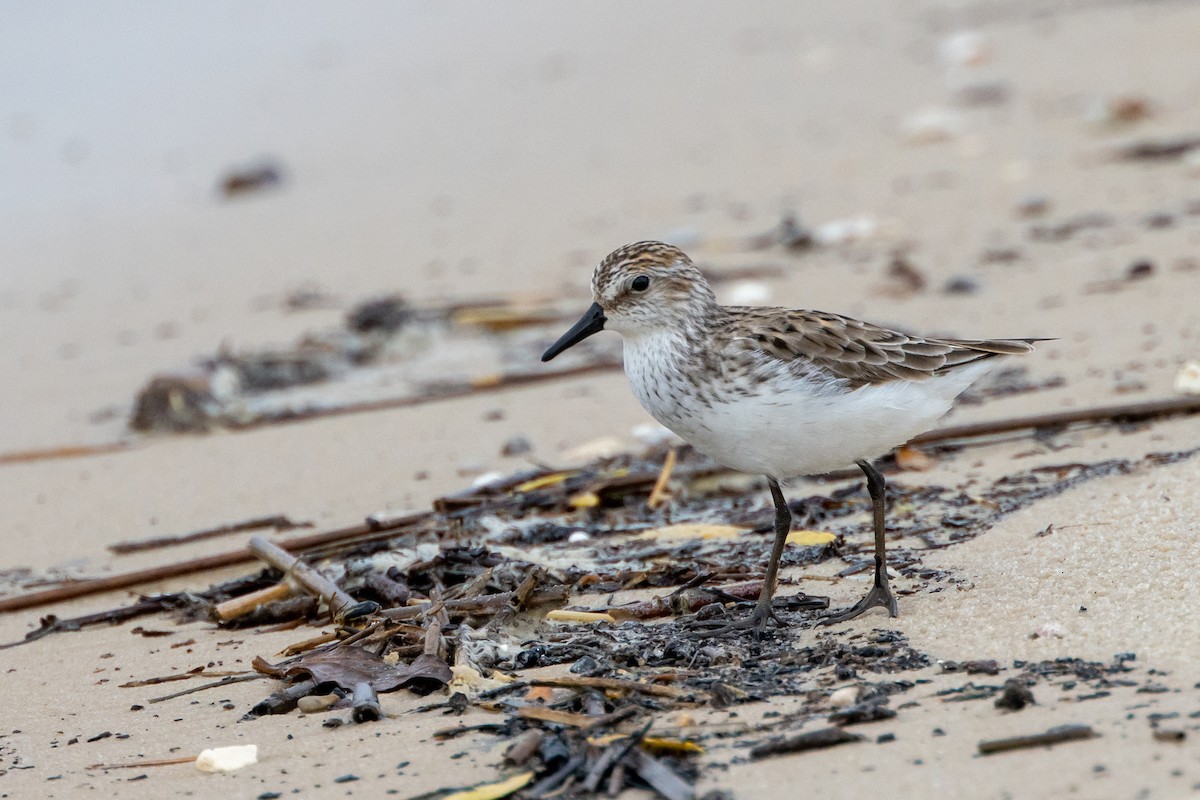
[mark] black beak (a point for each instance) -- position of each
(591, 322)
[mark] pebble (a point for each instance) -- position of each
(578, 537)
(749, 293)
(515, 446)
(1188, 379)
(965, 49)
(933, 124)
(1033, 205)
(844, 697)
(961, 284)
(1049, 630)
(316, 703)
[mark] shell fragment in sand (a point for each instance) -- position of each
(227, 759)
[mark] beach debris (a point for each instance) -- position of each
(966, 48)
(813, 740)
(278, 522)
(1033, 205)
(251, 178)
(493, 791)
(1117, 110)
(1015, 696)
(316, 703)
(840, 232)
(914, 459)
(365, 703)
(1187, 380)
(960, 284)
(1055, 735)
(341, 605)
(845, 697)
(903, 277)
(931, 125)
(227, 759)
(344, 667)
(1161, 149)
(1049, 630)
(748, 293)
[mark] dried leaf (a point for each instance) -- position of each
(661, 746)
(584, 500)
(493, 791)
(541, 482)
(912, 458)
(688, 530)
(348, 666)
(810, 538)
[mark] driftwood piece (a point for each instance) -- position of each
(813, 740)
(308, 578)
(203, 564)
(277, 521)
(238, 606)
(1057, 735)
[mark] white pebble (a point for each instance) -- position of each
(1050, 630)
(844, 697)
(487, 479)
(749, 293)
(227, 759)
(965, 49)
(604, 447)
(845, 231)
(1188, 379)
(578, 537)
(932, 125)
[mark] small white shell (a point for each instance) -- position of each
(227, 759)
(1188, 379)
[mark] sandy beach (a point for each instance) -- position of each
(976, 169)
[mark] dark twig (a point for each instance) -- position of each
(1062, 733)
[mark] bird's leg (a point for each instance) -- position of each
(881, 593)
(757, 619)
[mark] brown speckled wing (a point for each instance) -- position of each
(859, 352)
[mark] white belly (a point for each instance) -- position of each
(799, 429)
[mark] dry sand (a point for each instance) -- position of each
(490, 150)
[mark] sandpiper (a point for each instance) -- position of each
(776, 391)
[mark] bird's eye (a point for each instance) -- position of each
(640, 284)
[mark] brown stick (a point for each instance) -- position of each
(277, 521)
(239, 606)
(1131, 412)
(1062, 733)
(310, 579)
(659, 493)
(191, 566)
(45, 454)
(153, 762)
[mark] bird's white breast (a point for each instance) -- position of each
(782, 425)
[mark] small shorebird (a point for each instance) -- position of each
(776, 391)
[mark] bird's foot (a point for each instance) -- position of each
(756, 621)
(880, 595)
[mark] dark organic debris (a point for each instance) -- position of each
(1016, 695)
(250, 179)
(346, 666)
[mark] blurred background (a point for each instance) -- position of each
(181, 183)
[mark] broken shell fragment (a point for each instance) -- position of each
(227, 759)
